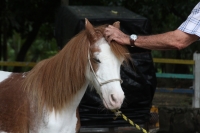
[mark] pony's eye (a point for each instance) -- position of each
(96, 60)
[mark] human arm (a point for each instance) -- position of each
(167, 41)
(170, 40)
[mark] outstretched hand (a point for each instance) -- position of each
(112, 33)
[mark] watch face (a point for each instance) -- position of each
(133, 37)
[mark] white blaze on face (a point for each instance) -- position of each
(109, 68)
(4, 75)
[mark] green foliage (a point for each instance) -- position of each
(44, 46)
(23, 24)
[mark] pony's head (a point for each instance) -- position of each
(87, 57)
(104, 61)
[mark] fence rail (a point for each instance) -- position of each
(174, 61)
(176, 90)
(19, 64)
(195, 90)
(171, 75)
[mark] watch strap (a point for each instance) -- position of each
(132, 42)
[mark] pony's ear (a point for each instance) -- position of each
(89, 27)
(116, 24)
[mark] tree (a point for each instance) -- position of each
(25, 18)
(28, 19)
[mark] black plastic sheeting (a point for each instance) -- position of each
(139, 81)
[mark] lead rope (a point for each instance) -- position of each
(119, 113)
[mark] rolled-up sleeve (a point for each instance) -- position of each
(192, 23)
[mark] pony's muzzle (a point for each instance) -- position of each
(116, 101)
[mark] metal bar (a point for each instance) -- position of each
(173, 61)
(171, 75)
(156, 60)
(175, 90)
(196, 83)
(20, 64)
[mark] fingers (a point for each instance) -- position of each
(112, 33)
(108, 33)
(110, 26)
(109, 39)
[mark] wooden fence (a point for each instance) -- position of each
(195, 91)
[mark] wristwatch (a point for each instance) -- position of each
(133, 37)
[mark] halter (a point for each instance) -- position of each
(108, 81)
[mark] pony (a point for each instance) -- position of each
(45, 99)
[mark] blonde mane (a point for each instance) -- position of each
(53, 82)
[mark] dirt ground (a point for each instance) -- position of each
(173, 99)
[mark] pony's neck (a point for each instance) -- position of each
(64, 120)
(78, 96)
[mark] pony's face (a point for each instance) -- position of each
(104, 66)
(107, 68)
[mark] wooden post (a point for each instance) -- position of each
(196, 82)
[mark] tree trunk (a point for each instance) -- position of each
(1, 32)
(0, 41)
(4, 46)
(27, 44)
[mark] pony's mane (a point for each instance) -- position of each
(56, 80)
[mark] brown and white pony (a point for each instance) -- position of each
(45, 99)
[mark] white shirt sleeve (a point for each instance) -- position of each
(192, 23)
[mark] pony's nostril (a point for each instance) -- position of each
(113, 98)
(115, 101)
